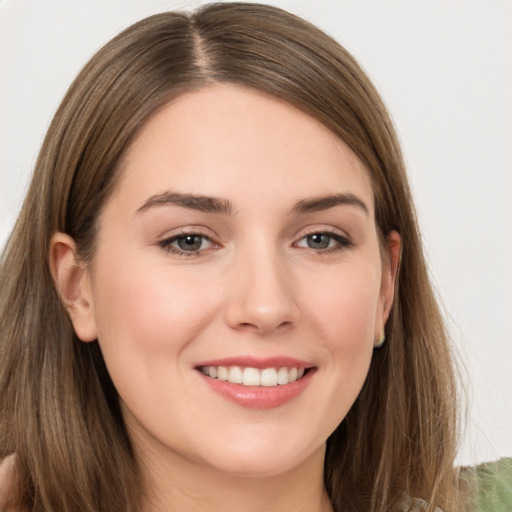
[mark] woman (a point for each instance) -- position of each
(215, 296)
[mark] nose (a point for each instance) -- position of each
(262, 295)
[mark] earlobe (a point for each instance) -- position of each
(73, 285)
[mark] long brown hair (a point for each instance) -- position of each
(59, 411)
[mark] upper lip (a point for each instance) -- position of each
(258, 362)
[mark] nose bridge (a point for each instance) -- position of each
(262, 292)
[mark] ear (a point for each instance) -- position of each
(390, 265)
(73, 285)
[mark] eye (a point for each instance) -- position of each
(190, 242)
(323, 241)
(186, 244)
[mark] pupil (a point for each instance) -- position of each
(319, 241)
(190, 243)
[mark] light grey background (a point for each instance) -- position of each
(444, 68)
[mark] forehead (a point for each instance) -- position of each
(228, 140)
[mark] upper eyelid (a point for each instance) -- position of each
(214, 235)
(211, 235)
(340, 236)
(172, 238)
(187, 230)
(167, 245)
(328, 230)
(167, 242)
(340, 239)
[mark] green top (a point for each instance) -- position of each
(491, 486)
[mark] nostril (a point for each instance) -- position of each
(263, 327)
(247, 326)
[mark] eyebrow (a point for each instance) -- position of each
(318, 204)
(200, 203)
(224, 206)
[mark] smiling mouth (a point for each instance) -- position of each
(248, 376)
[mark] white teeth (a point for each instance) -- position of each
(282, 376)
(235, 375)
(251, 377)
(268, 377)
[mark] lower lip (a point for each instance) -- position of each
(260, 397)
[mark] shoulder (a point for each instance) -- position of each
(7, 481)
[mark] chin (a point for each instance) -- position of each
(264, 463)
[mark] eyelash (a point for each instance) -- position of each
(167, 246)
(342, 243)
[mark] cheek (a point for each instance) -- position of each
(149, 309)
(147, 316)
(344, 315)
(344, 307)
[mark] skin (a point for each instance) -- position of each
(8, 480)
(256, 287)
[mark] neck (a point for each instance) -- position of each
(175, 484)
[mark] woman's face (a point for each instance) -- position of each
(239, 252)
